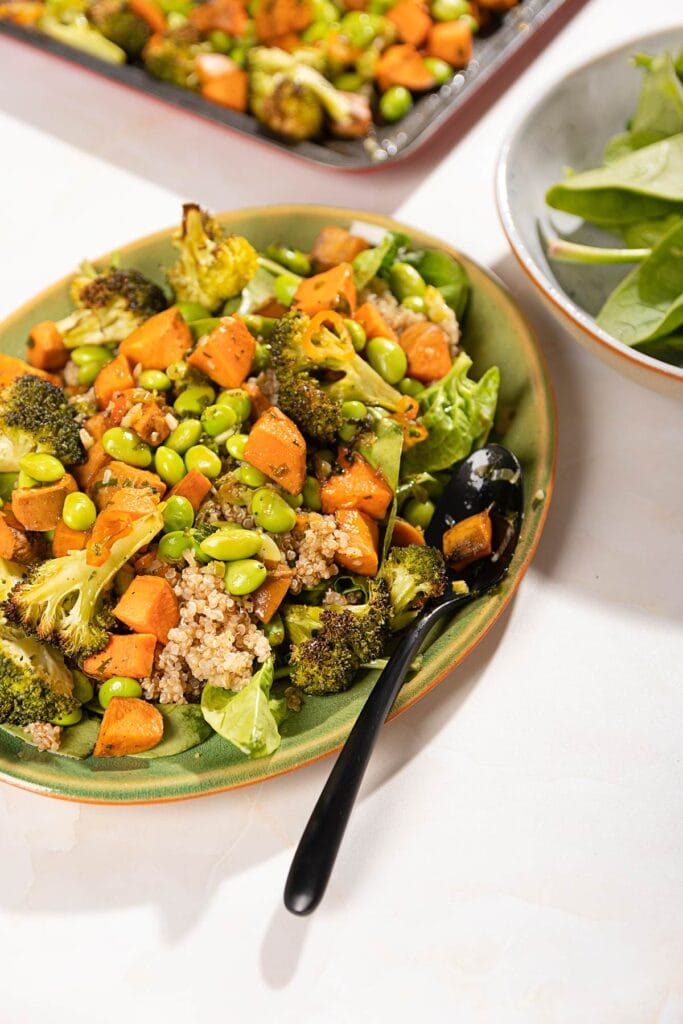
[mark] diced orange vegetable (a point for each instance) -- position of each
(226, 354)
(230, 90)
(46, 349)
(333, 289)
(229, 16)
(412, 21)
(149, 605)
(11, 368)
(96, 460)
(340, 51)
(335, 245)
(429, 356)
(117, 476)
(451, 41)
(468, 541)
(259, 402)
(40, 508)
(116, 520)
(360, 553)
(406, 534)
(276, 446)
(130, 655)
(129, 726)
(149, 12)
(270, 595)
(358, 486)
(15, 545)
(159, 341)
(497, 5)
(65, 539)
(115, 376)
(355, 5)
(151, 425)
(97, 425)
(275, 18)
(194, 486)
(403, 65)
(272, 308)
(373, 323)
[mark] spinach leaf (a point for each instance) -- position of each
(78, 741)
(446, 274)
(648, 304)
(257, 292)
(184, 728)
(368, 263)
(639, 186)
(647, 233)
(659, 113)
(248, 719)
(458, 413)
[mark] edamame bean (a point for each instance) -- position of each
(237, 400)
(200, 328)
(261, 360)
(203, 459)
(268, 551)
(46, 469)
(193, 400)
(284, 288)
(294, 500)
(172, 545)
(84, 690)
(418, 513)
(405, 280)
(88, 374)
(126, 446)
(259, 326)
(85, 354)
(409, 386)
(319, 30)
(387, 358)
(360, 28)
(169, 465)
(415, 303)
(395, 103)
(449, 10)
(177, 371)
(275, 630)
(184, 436)
(78, 511)
(293, 259)
(311, 494)
(192, 311)
(441, 71)
(26, 480)
(118, 686)
(471, 22)
(348, 81)
(216, 419)
(178, 514)
(271, 512)
(354, 410)
(69, 717)
(220, 41)
(348, 431)
(154, 380)
(244, 576)
(236, 444)
(231, 543)
(250, 475)
(357, 334)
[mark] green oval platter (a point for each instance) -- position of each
(495, 332)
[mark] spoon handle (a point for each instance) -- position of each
(318, 847)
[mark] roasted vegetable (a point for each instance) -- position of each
(35, 684)
(118, 23)
(35, 416)
(414, 575)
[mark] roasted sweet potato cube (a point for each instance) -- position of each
(276, 446)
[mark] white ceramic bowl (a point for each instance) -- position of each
(569, 127)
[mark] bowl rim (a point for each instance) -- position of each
(488, 617)
(554, 294)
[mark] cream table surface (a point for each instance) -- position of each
(516, 854)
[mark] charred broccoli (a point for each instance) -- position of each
(413, 574)
(317, 374)
(109, 306)
(213, 266)
(35, 684)
(341, 641)
(118, 23)
(35, 416)
(173, 57)
(64, 601)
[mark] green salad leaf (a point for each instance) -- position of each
(77, 742)
(645, 234)
(368, 263)
(648, 303)
(659, 113)
(458, 413)
(248, 719)
(444, 273)
(184, 727)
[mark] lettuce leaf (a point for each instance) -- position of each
(248, 719)
(458, 413)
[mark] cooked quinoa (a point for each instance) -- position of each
(45, 736)
(399, 318)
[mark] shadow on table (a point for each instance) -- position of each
(196, 158)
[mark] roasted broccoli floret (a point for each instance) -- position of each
(35, 416)
(109, 306)
(345, 639)
(318, 373)
(65, 601)
(118, 23)
(413, 574)
(35, 684)
(213, 265)
(173, 57)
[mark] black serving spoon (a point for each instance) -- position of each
(489, 478)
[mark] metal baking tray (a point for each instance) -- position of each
(386, 144)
